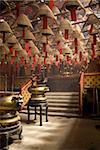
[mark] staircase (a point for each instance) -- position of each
(63, 104)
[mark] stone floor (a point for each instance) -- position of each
(59, 134)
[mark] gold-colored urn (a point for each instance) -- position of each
(38, 91)
(9, 117)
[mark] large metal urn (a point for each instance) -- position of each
(9, 118)
(38, 91)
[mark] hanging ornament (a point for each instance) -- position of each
(94, 39)
(80, 56)
(34, 60)
(45, 22)
(76, 45)
(93, 51)
(44, 47)
(17, 8)
(72, 6)
(51, 4)
(66, 34)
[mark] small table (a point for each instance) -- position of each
(35, 104)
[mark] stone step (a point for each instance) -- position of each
(62, 93)
(62, 97)
(65, 110)
(64, 104)
(60, 114)
(72, 105)
(63, 101)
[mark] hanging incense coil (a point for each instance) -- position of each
(65, 24)
(72, 6)
(23, 53)
(33, 48)
(11, 39)
(4, 27)
(44, 10)
(55, 10)
(29, 35)
(17, 47)
(92, 19)
(70, 3)
(47, 31)
(23, 21)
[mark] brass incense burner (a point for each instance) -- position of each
(38, 91)
(10, 125)
(38, 99)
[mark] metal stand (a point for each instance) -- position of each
(8, 132)
(36, 104)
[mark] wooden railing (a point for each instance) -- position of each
(24, 91)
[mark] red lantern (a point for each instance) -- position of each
(94, 39)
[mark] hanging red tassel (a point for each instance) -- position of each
(44, 47)
(16, 53)
(45, 54)
(66, 34)
(76, 44)
(27, 46)
(67, 58)
(45, 22)
(76, 50)
(45, 61)
(56, 57)
(94, 39)
(80, 56)
(17, 8)
(73, 14)
(60, 50)
(22, 60)
(11, 50)
(51, 4)
(93, 51)
(34, 59)
(23, 32)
